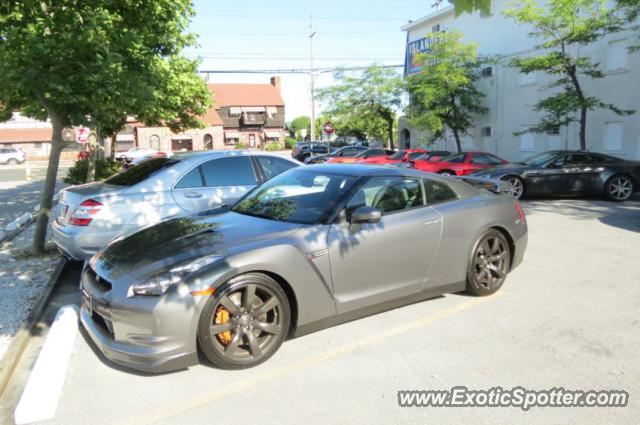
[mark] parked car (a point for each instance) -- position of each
(433, 156)
(313, 148)
(459, 164)
(369, 153)
(12, 156)
(345, 152)
(404, 155)
(313, 247)
(134, 153)
(90, 215)
(570, 173)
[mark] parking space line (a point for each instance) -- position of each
(184, 406)
(39, 400)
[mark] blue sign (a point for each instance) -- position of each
(411, 63)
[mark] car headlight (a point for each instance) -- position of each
(158, 284)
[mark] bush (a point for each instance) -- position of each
(290, 142)
(241, 145)
(273, 146)
(105, 168)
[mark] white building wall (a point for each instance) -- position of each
(510, 96)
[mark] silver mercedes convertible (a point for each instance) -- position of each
(313, 247)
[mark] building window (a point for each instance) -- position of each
(613, 136)
(37, 145)
(527, 141)
(154, 142)
(527, 79)
(487, 72)
(487, 131)
(553, 131)
(436, 28)
(617, 55)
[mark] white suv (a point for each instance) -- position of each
(12, 156)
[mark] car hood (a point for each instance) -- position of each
(503, 170)
(178, 240)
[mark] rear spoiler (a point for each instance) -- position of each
(492, 185)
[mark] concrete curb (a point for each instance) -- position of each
(23, 221)
(17, 346)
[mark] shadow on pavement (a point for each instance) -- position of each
(623, 215)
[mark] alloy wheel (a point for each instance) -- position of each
(246, 323)
(491, 262)
(620, 188)
(516, 187)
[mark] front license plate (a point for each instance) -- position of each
(86, 302)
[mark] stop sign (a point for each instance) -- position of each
(328, 128)
(82, 135)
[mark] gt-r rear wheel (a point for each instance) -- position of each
(619, 188)
(516, 186)
(245, 322)
(489, 263)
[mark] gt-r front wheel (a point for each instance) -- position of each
(245, 322)
(489, 263)
(619, 188)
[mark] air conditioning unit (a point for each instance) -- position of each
(437, 28)
(487, 72)
(487, 131)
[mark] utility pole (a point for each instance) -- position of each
(312, 75)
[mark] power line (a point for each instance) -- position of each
(291, 70)
(298, 18)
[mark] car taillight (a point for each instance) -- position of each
(83, 215)
(520, 212)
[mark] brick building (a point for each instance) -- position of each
(251, 114)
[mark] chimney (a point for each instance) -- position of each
(275, 82)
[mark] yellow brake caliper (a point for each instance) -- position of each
(222, 317)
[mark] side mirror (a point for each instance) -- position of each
(365, 215)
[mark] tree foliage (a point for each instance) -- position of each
(364, 101)
(468, 6)
(631, 11)
(94, 63)
(562, 26)
(298, 124)
(444, 94)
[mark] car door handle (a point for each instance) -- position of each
(192, 195)
(431, 222)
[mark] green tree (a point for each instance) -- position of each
(468, 6)
(631, 11)
(374, 95)
(92, 63)
(444, 95)
(298, 124)
(563, 26)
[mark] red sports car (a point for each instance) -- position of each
(404, 155)
(460, 164)
(369, 153)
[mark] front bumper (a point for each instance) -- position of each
(150, 334)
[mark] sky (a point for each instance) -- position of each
(274, 35)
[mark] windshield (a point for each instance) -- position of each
(397, 155)
(539, 159)
(141, 171)
(297, 196)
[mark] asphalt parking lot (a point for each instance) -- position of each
(567, 317)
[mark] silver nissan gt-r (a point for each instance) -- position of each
(313, 247)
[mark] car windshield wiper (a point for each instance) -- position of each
(216, 210)
(256, 214)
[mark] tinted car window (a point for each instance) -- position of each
(397, 155)
(457, 158)
(415, 155)
(350, 151)
(273, 166)
(300, 196)
(438, 192)
(142, 171)
(192, 179)
(485, 159)
(231, 171)
(388, 194)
